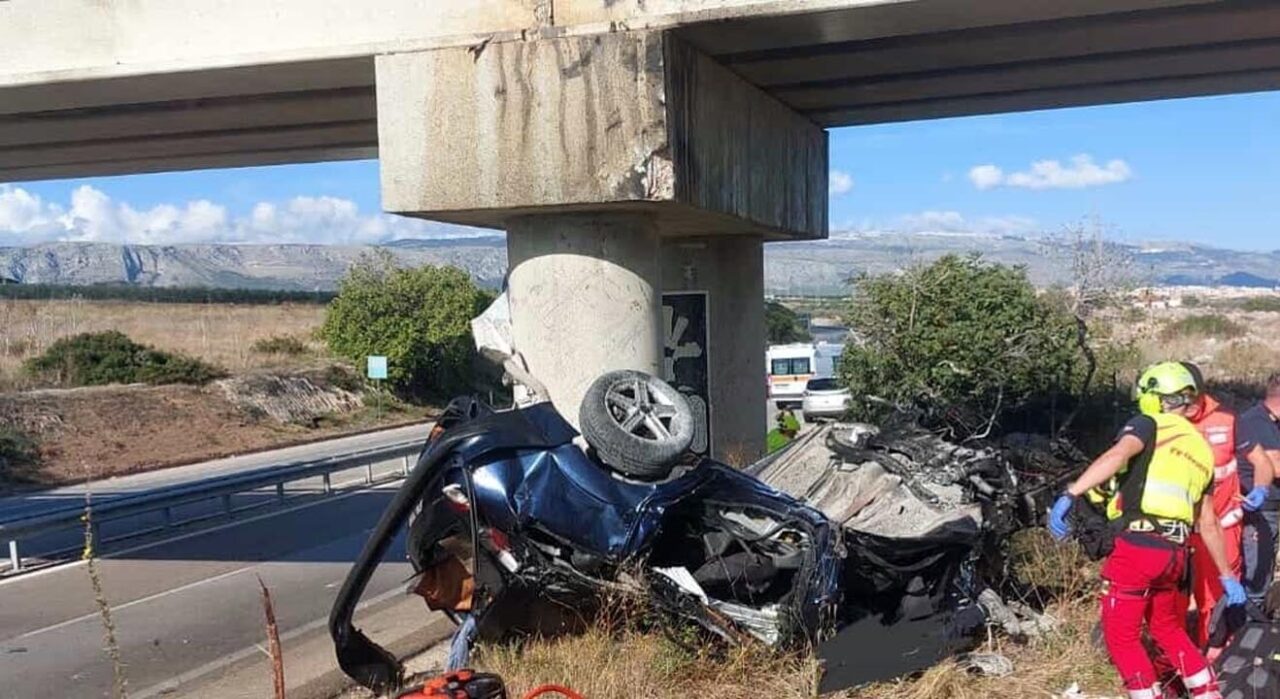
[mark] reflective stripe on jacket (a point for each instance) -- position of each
(1178, 468)
(1218, 426)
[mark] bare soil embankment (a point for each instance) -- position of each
(107, 431)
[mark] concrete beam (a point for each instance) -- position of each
(1079, 72)
(1054, 98)
(828, 23)
(172, 163)
(190, 116)
(995, 46)
(265, 79)
(636, 120)
(44, 41)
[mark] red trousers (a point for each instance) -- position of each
(1142, 575)
(1206, 588)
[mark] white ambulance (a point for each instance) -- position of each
(791, 366)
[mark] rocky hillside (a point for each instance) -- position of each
(816, 267)
(301, 267)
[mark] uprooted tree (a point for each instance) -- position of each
(420, 319)
(968, 343)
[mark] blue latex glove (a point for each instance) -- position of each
(1255, 499)
(1233, 590)
(1058, 526)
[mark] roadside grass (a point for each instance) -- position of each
(618, 659)
(221, 334)
(1213, 325)
(286, 345)
(18, 451)
(111, 357)
(1264, 304)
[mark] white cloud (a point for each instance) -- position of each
(1080, 172)
(985, 176)
(92, 215)
(839, 183)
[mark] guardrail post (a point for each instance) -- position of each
(368, 473)
(15, 561)
(226, 504)
(328, 486)
(280, 491)
(404, 465)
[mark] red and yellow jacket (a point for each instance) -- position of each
(1218, 425)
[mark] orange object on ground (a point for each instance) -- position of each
(548, 688)
(462, 684)
(469, 684)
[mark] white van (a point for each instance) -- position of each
(791, 366)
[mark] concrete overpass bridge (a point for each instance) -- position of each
(629, 147)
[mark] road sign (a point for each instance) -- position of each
(686, 362)
(377, 367)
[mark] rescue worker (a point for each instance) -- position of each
(1162, 468)
(1258, 432)
(786, 431)
(1218, 426)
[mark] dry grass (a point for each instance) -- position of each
(223, 334)
(621, 662)
(1247, 358)
(615, 660)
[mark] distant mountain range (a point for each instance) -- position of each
(811, 267)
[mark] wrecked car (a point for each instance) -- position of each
(927, 525)
(886, 547)
(516, 523)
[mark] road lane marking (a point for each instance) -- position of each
(173, 684)
(58, 567)
(126, 605)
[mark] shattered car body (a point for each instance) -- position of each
(927, 525)
(515, 526)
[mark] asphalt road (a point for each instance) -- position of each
(184, 609)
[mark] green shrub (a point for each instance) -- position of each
(1262, 304)
(95, 359)
(1207, 325)
(420, 319)
(1191, 301)
(782, 325)
(958, 335)
(287, 345)
(16, 451)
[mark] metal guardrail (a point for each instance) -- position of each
(167, 499)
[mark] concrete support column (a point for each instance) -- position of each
(584, 292)
(589, 150)
(730, 271)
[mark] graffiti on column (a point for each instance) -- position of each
(685, 361)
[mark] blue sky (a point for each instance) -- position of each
(1203, 170)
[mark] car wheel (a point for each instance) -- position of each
(638, 424)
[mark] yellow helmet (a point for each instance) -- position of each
(1162, 384)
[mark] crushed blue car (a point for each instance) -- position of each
(516, 526)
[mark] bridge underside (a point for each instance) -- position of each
(870, 63)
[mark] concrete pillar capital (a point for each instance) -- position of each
(620, 121)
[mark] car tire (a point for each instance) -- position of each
(638, 424)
